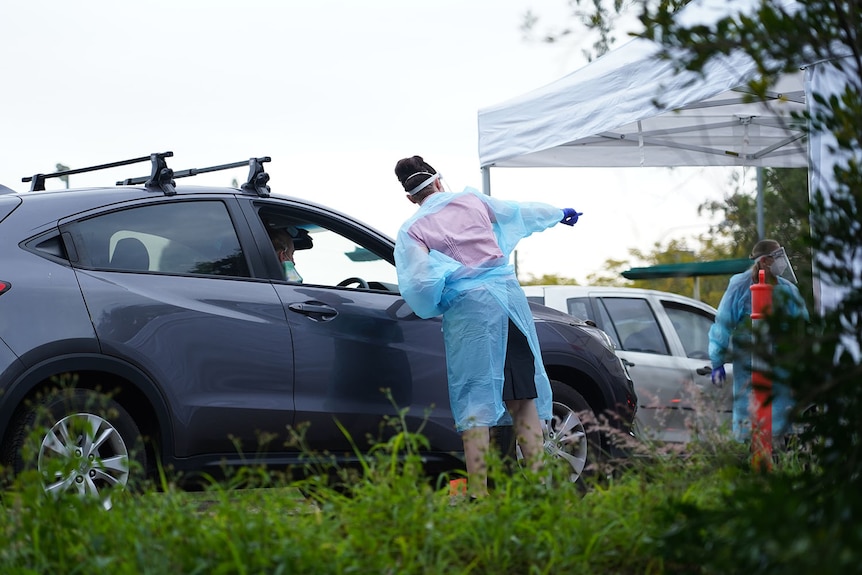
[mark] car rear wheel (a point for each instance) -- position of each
(83, 443)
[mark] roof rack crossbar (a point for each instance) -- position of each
(257, 178)
(38, 180)
(184, 173)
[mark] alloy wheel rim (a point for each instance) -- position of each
(83, 454)
(566, 440)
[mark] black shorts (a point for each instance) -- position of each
(519, 370)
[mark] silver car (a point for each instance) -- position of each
(663, 339)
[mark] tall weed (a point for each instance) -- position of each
(386, 516)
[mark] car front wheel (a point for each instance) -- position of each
(572, 440)
(571, 436)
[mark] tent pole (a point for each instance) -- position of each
(760, 231)
(486, 180)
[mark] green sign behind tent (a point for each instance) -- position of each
(689, 269)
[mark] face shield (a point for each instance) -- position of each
(779, 264)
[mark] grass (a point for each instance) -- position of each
(387, 519)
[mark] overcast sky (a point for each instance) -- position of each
(335, 91)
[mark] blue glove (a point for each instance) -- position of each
(570, 216)
(718, 375)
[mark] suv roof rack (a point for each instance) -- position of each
(162, 177)
(257, 177)
(38, 180)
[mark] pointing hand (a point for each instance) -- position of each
(570, 216)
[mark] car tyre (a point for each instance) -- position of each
(572, 437)
(81, 442)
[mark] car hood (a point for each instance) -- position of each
(544, 313)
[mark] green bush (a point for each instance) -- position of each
(388, 517)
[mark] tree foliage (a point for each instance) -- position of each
(817, 359)
(611, 275)
(596, 22)
(548, 279)
(777, 523)
(785, 215)
(785, 219)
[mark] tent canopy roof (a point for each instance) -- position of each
(632, 108)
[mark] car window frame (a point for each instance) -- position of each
(237, 219)
(247, 240)
(666, 304)
(341, 224)
(656, 322)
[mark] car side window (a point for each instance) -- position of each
(330, 253)
(605, 323)
(692, 326)
(636, 325)
(192, 237)
(580, 307)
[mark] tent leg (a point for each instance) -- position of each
(760, 227)
(486, 180)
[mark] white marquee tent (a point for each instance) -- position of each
(630, 108)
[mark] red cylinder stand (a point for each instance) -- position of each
(761, 422)
(458, 487)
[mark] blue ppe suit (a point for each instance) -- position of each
(476, 303)
(732, 331)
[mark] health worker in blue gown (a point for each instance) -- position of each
(730, 336)
(452, 259)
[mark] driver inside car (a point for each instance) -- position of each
(284, 248)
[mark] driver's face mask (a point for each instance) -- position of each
(290, 273)
(780, 266)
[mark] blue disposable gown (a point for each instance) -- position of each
(476, 304)
(732, 331)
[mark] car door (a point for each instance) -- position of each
(710, 405)
(169, 290)
(660, 376)
(361, 353)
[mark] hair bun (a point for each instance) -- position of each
(406, 167)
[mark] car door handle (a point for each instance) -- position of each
(316, 311)
(705, 370)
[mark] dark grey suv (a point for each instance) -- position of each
(164, 314)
